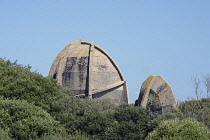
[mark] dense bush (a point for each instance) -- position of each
(102, 119)
(198, 109)
(170, 113)
(22, 120)
(58, 136)
(4, 135)
(18, 82)
(85, 115)
(188, 129)
(130, 122)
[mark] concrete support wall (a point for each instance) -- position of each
(156, 94)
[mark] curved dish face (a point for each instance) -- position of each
(90, 71)
(156, 94)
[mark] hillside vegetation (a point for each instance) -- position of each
(35, 107)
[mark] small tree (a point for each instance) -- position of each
(196, 84)
(206, 82)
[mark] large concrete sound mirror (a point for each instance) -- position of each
(89, 71)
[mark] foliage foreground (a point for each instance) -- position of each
(22, 120)
(35, 107)
(187, 129)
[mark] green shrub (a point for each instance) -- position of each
(170, 113)
(101, 119)
(58, 136)
(22, 120)
(18, 82)
(198, 109)
(175, 129)
(4, 135)
(130, 123)
(85, 115)
(55, 136)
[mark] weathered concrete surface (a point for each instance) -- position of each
(90, 71)
(156, 94)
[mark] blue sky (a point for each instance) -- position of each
(145, 37)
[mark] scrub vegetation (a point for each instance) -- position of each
(35, 107)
